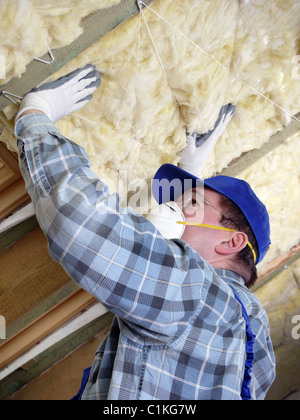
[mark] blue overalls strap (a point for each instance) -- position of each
(245, 393)
(84, 380)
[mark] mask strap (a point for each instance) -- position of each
(218, 228)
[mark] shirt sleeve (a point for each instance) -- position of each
(111, 251)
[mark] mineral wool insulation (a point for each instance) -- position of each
(139, 116)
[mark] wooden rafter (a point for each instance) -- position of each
(45, 325)
(277, 265)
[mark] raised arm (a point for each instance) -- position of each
(109, 250)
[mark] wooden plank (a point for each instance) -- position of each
(94, 27)
(276, 266)
(12, 197)
(279, 261)
(43, 326)
(29, 276)
(9, 169)
(12, 187)
(42, 307)
(17, 232)
(85, 341)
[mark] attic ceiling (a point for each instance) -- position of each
(170, 69)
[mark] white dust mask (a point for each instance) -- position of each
(165, 218)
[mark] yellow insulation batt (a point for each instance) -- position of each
(243, 52)
(27, 26)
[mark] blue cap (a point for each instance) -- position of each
(236, 189)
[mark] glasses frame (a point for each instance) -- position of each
(211, 205)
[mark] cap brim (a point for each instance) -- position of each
(170, 182)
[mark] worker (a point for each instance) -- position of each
(186, 325)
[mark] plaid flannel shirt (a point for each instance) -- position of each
(178, 331)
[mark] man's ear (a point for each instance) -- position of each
(236, 242)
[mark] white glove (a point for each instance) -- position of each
(199, 146)
(63, 96)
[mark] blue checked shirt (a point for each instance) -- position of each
(178, 331)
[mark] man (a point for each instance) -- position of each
(186, 326)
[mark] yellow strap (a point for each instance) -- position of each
(218, 228)
(253, 252)
(207, 226)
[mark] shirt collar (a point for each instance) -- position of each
(230, 276)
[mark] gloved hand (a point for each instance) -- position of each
(198, 148)
(63, 96)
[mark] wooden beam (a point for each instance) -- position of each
(12, 198)
(90, 335)
(17, 232)
(42, 327)
(276, 266)
(12, 186)
(9, 167)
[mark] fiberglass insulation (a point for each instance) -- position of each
(139, 116)
(32, 24)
